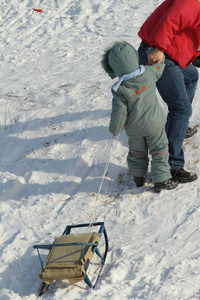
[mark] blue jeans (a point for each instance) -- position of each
(177, 87)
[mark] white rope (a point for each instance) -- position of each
(104, 174)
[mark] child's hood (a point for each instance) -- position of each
(120, 59)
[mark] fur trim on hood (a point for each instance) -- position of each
(119, 59)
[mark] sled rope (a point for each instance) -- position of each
(104, 174)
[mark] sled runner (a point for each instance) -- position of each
(70, 255)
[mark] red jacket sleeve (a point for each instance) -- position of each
(170, 18)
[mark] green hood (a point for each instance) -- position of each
(120, 59)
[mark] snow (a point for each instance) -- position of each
(55, 105)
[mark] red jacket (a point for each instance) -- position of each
(174, 28)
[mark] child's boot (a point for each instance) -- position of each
(168, 184)
(139, 181)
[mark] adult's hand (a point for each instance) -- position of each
(156, 56)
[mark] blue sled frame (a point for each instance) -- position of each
(95, 249)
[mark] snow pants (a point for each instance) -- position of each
(138, 157)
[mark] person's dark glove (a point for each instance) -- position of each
(196, 62)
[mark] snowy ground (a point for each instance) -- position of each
(55, 105)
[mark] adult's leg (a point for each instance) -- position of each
(177, 90)
(191, 76)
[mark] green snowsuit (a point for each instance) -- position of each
(135, 107)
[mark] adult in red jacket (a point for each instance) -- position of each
(173, 30)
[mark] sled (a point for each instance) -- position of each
(70, 255)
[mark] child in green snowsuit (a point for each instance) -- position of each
(136, 109)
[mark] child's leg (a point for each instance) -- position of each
(138, 157)
(158, 148)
